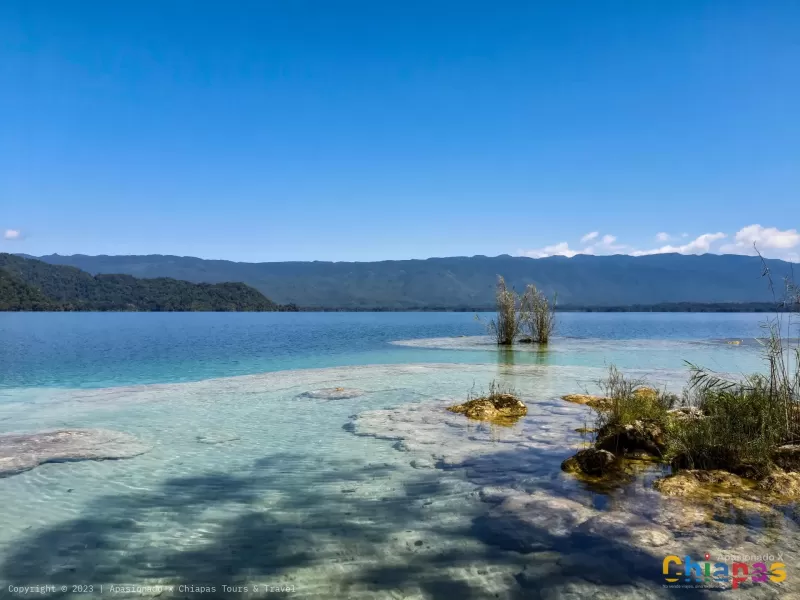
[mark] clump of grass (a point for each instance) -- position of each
(745, 420)
(538, 315)
(632, 400)
(739, 428)
(505, 326)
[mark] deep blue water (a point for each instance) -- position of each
(106, 349)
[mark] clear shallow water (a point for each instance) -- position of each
(382, 495)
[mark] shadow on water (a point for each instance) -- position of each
(278, 518)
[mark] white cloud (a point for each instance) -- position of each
(765, 239)
(773, 242)
(605, 245)
(12, 234)
(560, 249)
(699, 245)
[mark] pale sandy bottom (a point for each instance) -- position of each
(384, 495)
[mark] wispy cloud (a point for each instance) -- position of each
(605, 245)
(699, 245)
(12, 234)
(560, 249)
(771, 241)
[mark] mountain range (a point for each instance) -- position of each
(467, 282)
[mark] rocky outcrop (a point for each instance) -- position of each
(780, 483)
(787, 457)
(687, 483)
(22, 452)
(590, 461)
(639, 436)
(685, 413)
(597, 402)
(338, 393)
(502, 409)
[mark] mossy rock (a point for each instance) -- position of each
(787, 457)
(699, 483)
(599, 403)
(500, 409)
(590, 461)
(639, 436)
(781, 483)
(716, 487)
(646, 394)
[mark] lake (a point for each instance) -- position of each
(244, 475)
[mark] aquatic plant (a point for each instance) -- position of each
(505, 326)
(537, 314)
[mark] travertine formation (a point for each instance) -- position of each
(22, 452)
(337, 393)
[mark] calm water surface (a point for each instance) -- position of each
(107, 349)
(247, 481)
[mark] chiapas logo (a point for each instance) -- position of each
(733, 571)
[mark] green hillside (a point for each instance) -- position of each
(27, 284)
(468, 282)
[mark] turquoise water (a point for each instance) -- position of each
(249, 481)
(108, 349)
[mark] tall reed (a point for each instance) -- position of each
(538, 316)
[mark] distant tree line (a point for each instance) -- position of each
(32, 285)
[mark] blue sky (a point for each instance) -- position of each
(299, 130)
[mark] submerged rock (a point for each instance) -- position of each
(214, 439)
(626, 528)
(530, 522)
(787, 457)
(600, 403)
(639, 436)
(781, 483)
(23, 452)
(687, 483)
(337, 393)
(590, 461)
(502, 409)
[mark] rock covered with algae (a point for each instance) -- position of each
(596, 402)
(640, 436)
(787, 457)
(783, 484)
(698, 482)
(500, 408)
(22, 452)
(590, 461)
(604, 403)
